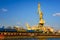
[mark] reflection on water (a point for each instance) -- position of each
(53, 39)
(30, 39)
(20, 39)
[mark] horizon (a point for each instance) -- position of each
(19, 12)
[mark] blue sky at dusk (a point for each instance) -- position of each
(19, 12)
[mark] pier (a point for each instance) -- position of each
(24, 35)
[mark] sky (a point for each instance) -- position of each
(20, 12)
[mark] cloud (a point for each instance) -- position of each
(56, 14)
(3, 10)
(18, 23)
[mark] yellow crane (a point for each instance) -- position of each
(41, 21)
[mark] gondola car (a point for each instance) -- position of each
(10, 30)
(7, 30)
(30, 30)
(2, 29)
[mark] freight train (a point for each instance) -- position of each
(18, 30)
(14, 30)
(7, 30)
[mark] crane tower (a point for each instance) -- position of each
(41, 20)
